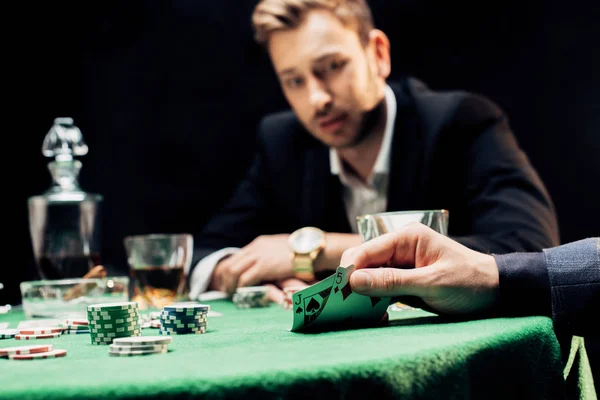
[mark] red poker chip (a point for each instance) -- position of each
(37, 348)
(48, 354)
(40, 330)
(32, 337)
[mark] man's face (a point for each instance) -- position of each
(328, 77)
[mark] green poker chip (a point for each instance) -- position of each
(122, 306)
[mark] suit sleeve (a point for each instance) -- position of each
(574, 275)
(562, 282)
(510, 208)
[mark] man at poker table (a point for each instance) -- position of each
(354, 143)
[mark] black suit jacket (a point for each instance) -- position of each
(451, 150)
(571, 293)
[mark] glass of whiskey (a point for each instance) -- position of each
(158, 265)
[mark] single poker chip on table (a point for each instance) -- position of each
(34, 337)
(142, 340)
(137, 352)
(141, 347)
(36, 348)
(40, 330)
(8, 333)
(49, 354)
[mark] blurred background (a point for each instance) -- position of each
(168, 94)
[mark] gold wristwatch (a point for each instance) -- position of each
(306, 244)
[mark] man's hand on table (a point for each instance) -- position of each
(266, 259)
(447, 276)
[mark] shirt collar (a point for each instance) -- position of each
(382, 163)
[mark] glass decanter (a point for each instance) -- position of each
(64, 221)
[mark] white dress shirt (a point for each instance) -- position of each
(359, 197)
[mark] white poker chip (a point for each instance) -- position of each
(142, 340)
(8, 333)
(147, 347)
(37, 348)
(40, 330)
(136, 353)
(48, 354)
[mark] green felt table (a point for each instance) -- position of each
(252, 354)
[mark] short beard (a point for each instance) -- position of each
(368, 125)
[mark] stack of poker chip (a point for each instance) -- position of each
(184, 319)
(109, 321)
(139, 346)
(288, 292)
(251, 297)
(32, 352)
(75, 326)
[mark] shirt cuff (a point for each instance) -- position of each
(202, 273)
(524, 287)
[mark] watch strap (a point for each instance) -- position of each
(303, 267)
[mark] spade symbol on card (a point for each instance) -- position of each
(375, 300)
(346, 291)
(313, 305)
(298, 310)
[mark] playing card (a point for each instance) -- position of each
(308, 304)
(347, 308)
(331, 304)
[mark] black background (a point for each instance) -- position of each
(168, 95)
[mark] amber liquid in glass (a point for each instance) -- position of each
(158, 286)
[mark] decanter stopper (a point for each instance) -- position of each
(64, 141)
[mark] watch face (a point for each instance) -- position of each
(306, 240)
